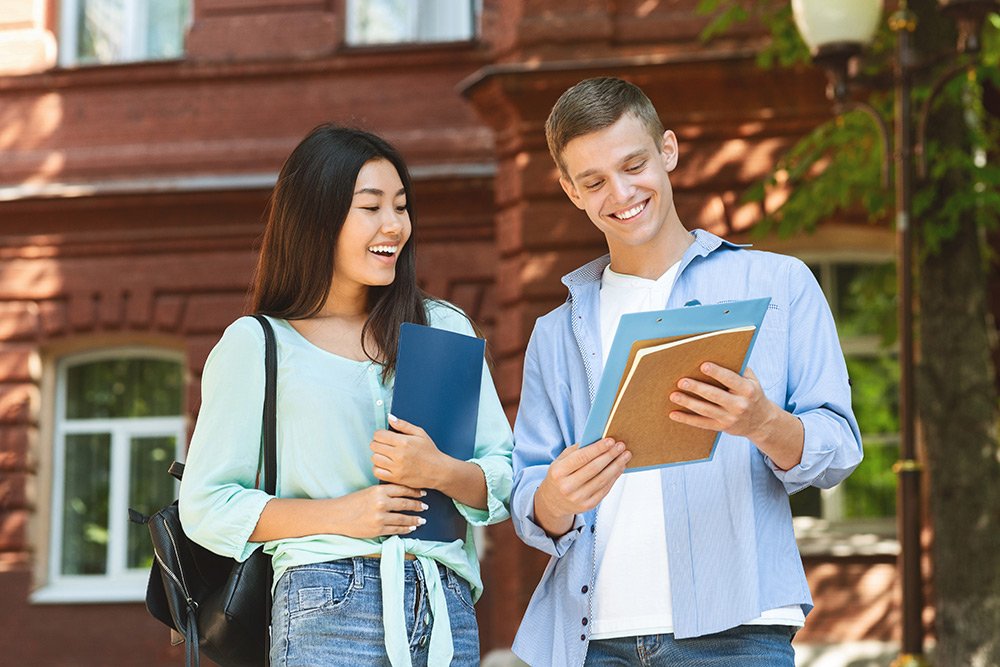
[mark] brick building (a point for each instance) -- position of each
(138, 146)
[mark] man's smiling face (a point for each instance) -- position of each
(619, 176)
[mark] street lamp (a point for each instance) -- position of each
(836, 33)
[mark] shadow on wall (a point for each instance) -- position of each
(847, 654)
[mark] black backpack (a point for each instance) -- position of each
(220, 606)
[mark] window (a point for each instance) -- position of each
(118, 424)
(411, 21)
(101, 32)
(862, 297)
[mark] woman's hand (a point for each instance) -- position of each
(408, 457)
(377, 511)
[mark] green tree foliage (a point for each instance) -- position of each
(834, 172)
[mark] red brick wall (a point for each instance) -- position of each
(172, 262)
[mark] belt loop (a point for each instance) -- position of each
(359, 572)
(421, 576)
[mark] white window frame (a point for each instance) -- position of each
(135, 47)
(119, 584)
(832, 533)
(354, 39)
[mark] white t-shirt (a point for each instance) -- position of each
(632, 590)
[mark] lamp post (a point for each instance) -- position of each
(836, 33)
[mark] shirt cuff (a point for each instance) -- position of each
(498, 483)
(817, 456)
(534, 535)
(244, 548)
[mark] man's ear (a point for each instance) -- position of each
(669, 150)
(571, 192)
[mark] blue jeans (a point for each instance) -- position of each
(745, 646)
(331, 614)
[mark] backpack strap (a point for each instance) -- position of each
(269, 435)
(269, 418)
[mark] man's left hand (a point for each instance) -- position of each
(738, 408)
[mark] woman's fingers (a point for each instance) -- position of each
(406, 505)
(398, 490)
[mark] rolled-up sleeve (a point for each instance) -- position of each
(819, 392)
(219, 506)
(494, 440)
(537, 442)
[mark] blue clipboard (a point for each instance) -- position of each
(686, 321)
(439, 375)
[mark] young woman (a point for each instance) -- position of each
(336, 278)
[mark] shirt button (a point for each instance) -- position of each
(593, 529)
(583, 638)
(379, 402)
(584, 620)
(584, 589)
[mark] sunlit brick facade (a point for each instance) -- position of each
(131, 198)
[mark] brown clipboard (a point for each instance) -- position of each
(640, 413)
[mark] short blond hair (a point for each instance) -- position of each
(592, 105)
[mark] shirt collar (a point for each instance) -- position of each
(704, 243)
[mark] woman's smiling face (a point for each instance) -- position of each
(375, 230)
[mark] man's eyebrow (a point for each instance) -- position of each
(642, 152)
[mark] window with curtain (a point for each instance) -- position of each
(371, 22)
(861, 295)
(118, 425)
(102, 32)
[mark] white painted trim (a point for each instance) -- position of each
(81, 590)
(69, 11)
(119, 583)
(135, 15)
(207, 183)
(420, 19)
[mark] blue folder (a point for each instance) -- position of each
(438, 377)
(686, 321)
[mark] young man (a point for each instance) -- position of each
(693, 564)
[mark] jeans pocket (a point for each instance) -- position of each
(460, 587)
(318, 589)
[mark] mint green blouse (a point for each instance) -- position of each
(328, 408)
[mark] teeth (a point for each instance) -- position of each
(383, 249)
(631, 213)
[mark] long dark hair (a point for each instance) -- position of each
(305, 214)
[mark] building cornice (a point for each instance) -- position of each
(185, 184)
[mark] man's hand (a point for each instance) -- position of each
(740, 408)
(577, 481)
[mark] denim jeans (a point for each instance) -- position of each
(331, 614)
(742, 646)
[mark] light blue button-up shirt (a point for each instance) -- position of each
(730, 543)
